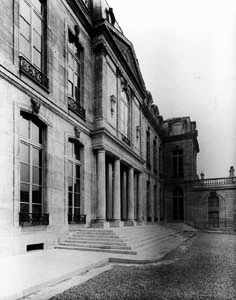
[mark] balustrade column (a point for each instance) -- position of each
(117, 198)
(131, 194)
(101, 181)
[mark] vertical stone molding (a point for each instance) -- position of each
(101, 182)
(131, 194)
(140, 197)
(117, 199)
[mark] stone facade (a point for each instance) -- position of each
(75, 119)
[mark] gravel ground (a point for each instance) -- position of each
(202, 268)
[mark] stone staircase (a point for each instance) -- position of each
(128, 240)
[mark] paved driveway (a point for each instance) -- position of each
(202, 268)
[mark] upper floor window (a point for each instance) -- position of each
(124, 114)
(32, 148)
(178, 170)
(32, 31)
(155, 155)
(148, 157)
(74, 68)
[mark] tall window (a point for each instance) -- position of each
(178, 170)
(148, 158)
(31, 165)
(74, 181)
(74, 68)
(32, 24)
(124, 114)
(155, 155)
(178, 204)
(213, 211)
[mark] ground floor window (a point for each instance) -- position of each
(178, 205)
(74, 182)
(213, 211)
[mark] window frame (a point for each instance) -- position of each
(124, 114)
(178, 163)
(31, 144)
(32, 32)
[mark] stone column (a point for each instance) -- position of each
(117, 200)
(131, 195)
(140, 197)
(124, 196)
(101, 181)
(109, 202)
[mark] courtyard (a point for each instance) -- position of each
(201, 268)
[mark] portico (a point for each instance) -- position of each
(119, 191)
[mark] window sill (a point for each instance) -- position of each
(33, 73)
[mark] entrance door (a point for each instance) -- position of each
(213, 211)
(178, 205)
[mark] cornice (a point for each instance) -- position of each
(182, 137)
(83, 14)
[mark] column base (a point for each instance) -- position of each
(100, 224)
(129, 223)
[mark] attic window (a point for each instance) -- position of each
(110, 16)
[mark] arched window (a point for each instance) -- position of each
(124, 114)
(178, 204)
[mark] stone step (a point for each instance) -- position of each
(92, 241)
(101, 246)
(118, 251)
(94, 234)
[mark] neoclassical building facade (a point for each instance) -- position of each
(81, 137)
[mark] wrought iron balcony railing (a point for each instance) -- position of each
(76, 219)
(126, 140)
(33, 219)
(33, 73)
(76, 107)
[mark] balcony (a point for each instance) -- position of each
(33, 219)
(74, 106)
(126, 140)
(215, 181)
(33, 73)
(76, 219)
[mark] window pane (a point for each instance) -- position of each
(36, 133)
(36, 209)
(77, 152)
(37, 41)
(25, 47)
(77, 186)
(70, 149)
(24, 192)
(37, 58)
(77, 211)
(24, 127)
(70, 60)
(37, 178)
(37, 194)
(69, 169)
(37, 23)
(70, 75)
(24, 153)
(24, 208)
(37, 4)
(25, 10)
(77, 171)
(25, 29)
(37, 157)
(70, 199)
(70, 88)
(77, 200)
(70, 184)
(24, 172)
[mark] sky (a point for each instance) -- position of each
(187, 55)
